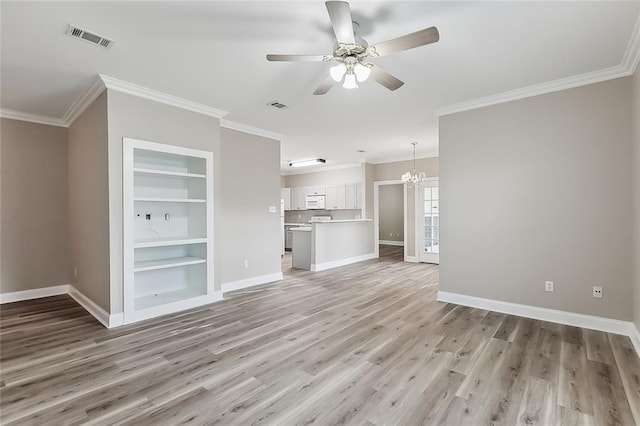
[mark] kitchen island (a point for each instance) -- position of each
(332, 243)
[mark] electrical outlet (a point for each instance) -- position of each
(597, 292)
(75, 271)
(391, 234)
(147, 216)
(245, 263)
(548, 286)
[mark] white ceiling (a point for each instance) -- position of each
(213, 53)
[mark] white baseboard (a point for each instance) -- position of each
(391, 243)
(552, 315)
(342, 262)
(35, 293)
(90, 306)
(250, 282)
(412, 259)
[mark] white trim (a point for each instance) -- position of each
(411, 259)
(35, 293)
(164, 98)
(317, 169)
(90, 306)
(384, 160)
(244, 128)
(635, 338)
(537, 89)
(608, 325)
(172, 308)
(31, 118)
(250, 282)
(83, 102)
(342, 262)
(391, 243)
(632, 54)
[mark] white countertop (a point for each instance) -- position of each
(346, 220)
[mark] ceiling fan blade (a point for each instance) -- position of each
(406, 42)
(386, 79)
(340, 15)
(325, 86)
(298, 58)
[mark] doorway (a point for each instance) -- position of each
(429, 221)
(390, 215)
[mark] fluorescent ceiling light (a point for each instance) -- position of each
(305, 163)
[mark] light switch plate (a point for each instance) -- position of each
(272, 209)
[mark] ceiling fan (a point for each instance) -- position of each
(352, 52)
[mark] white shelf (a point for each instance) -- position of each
(152, 300)
(171, 200)
(150, 265)
(168, 173)
(164, 242)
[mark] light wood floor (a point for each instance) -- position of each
(363, 344)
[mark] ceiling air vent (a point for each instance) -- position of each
(90, 37)
(278, 105)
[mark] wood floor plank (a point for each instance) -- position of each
(364, 344)
(628, 365)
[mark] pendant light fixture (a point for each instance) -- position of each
(413, 179)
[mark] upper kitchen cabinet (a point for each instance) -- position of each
(336, 197)
(316, 190)
(298, 198)
(285, 194)
(353, 196)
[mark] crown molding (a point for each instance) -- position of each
(32, 118)
(234, 125)
(83, 102)
(627, 67)
(632, 54)
(382, 160)
(537, 89)
(319, 169)
(146, 93)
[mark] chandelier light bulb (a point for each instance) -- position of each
(362, 72)
(350, 82)
(337, 72)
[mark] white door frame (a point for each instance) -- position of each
(420, 218)
(376, 213)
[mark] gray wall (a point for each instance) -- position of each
(34, 196)
(636, 192)
(89, 203)
(540, 189)
(391, 210)
(144, 119)
(251, 183)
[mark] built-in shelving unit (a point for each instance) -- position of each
(168, 229)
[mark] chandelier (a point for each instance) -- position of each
(413, 179)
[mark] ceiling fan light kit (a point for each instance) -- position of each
(352, 52)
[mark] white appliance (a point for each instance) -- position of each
(315, 202)
(282, 226)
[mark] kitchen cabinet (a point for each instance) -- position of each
(353, 195)
(285, 194)
(336, 197)
(316, 190)
(298, 198)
